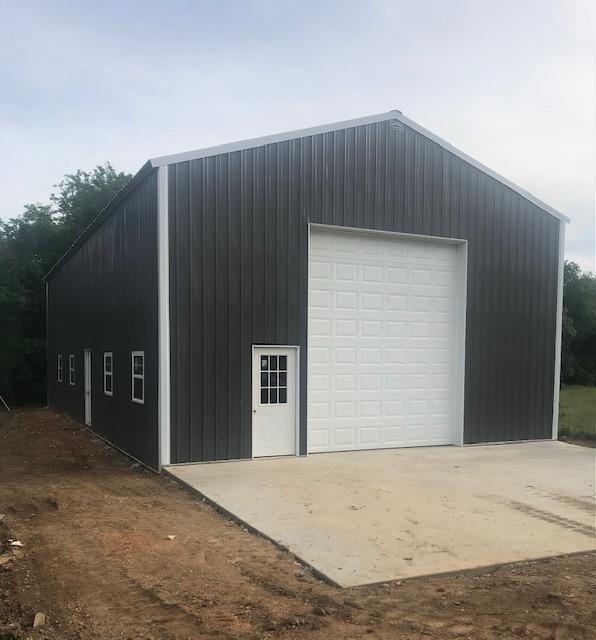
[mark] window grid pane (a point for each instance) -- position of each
(138, 377)
(274, 379)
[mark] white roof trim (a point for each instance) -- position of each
(357, 122)
(479, 165)
(277, 137)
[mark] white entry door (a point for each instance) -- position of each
(87, 372)
(274, 418)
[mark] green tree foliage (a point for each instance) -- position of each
(29, 245)
(578, 361)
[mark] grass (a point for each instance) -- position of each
(577, 412)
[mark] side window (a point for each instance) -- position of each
(60, 368)
(108, 373)
(138, 376)
(71, 369)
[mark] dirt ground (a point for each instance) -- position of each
(96, 559)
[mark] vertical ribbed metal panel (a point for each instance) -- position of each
(239, 236)
(104, 297)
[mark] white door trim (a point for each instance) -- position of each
(87, 385)
(296, 348)
(462, 253)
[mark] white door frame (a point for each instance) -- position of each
(462, 304)
(87, 385)
(296, 348)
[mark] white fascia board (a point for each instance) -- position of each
(346, 124)
(251, 143)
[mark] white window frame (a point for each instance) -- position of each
(60, 368)
(71, 370)
(106, 373)
(140, 376)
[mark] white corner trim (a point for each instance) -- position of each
(164, 317)
(558, 332)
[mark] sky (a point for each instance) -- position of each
(511, 83)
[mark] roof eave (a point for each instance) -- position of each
(101, 216)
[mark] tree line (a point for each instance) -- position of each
(33, 241)
(30, 245)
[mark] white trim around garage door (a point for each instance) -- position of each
(462, 252)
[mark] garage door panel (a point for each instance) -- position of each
(382, 341)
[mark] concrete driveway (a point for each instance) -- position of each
(372, 516)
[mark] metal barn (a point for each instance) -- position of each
(357, 285)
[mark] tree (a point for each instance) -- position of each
(29, 245)
(578, 359)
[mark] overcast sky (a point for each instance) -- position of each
(510, 82)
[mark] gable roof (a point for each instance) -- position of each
(251, 143)
(346, 124)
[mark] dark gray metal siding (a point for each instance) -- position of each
(238, 257)
(104, 297)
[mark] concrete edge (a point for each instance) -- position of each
(317, 572)
(475, 571)
(480, 570)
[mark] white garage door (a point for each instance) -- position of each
(385, 341)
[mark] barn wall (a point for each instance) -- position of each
(238, 273)
(104, 297)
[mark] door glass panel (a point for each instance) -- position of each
(273, 381)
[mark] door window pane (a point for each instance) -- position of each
(274, 379)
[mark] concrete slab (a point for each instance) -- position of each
(372, 516)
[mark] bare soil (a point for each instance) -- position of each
(96, 559)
